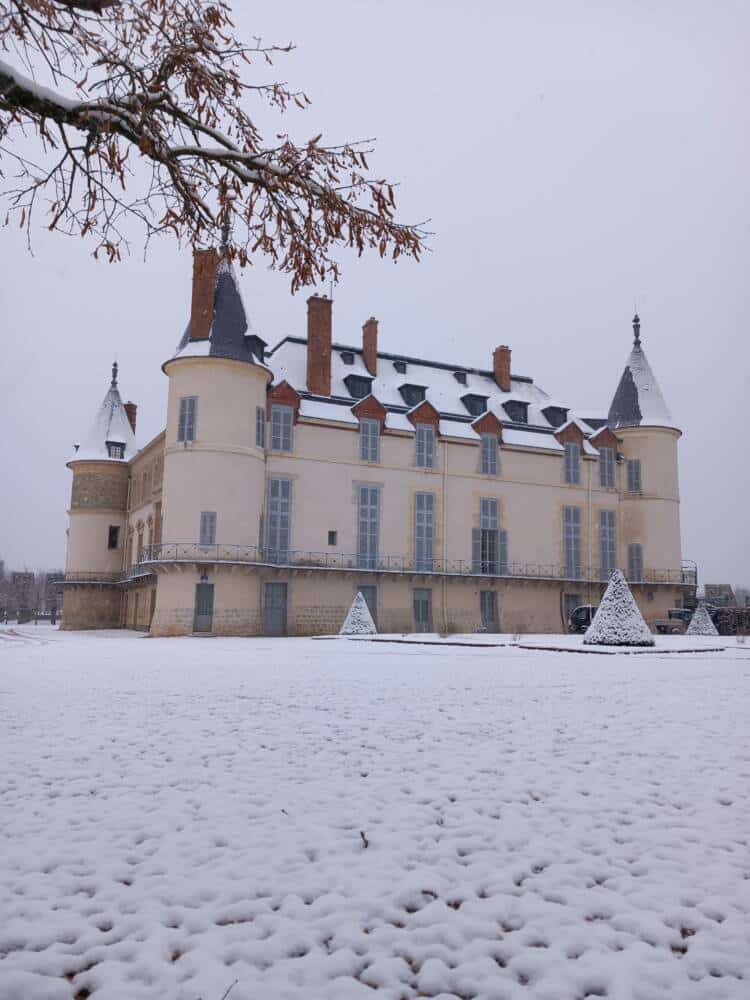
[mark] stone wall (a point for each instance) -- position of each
(100, 485)
(88, 606)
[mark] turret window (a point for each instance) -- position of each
(186, 421)
(634, 475)
(282, 421)
(113, 537)
(115, 450)
(260, 426)
(572, 464)
(208, 527)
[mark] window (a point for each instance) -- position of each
(347, 357)
(460, 377)
(368, 518)
(572, 542)
(186, 423)
(476, 405)
(570, 603)
(282, 420)
(489, 545)
(635, 562)
(113, 537)
(115, 450)
(208, 527)
(412, 394)
(400, 367)
(573, 464)
(488, 609)
(517, 411)
(260, 426)
(556, 415)
(333, 537)
(607, 544)
(369, 440)
(634, 475)
(425, 446)
(370, 595)
(279, 519)
(607, 468)
(424, 532)
(358, 386)
(488, 454)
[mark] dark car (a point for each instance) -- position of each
(581, 617)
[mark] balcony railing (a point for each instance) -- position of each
(193, 552)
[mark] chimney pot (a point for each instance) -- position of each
(205, 263)
(501, 367)
(370, 345)
(131, 410)
(319, 336)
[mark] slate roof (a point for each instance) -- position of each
(111, 424)
(288, 362)
(638, 399)
(230, 335)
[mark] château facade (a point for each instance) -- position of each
(286, 480)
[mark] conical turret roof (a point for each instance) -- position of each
(638, 399)
(110, 428)
(228, 334)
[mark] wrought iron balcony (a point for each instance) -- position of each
(192, 552)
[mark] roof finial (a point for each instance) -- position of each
(113, 384)
(637, 329)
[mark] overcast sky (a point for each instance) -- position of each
(573, 160)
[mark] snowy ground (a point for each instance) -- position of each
(178, 816)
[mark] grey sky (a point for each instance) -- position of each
(573, 159)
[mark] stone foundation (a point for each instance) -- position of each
(88, 606)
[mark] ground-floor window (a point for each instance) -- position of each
(370, 595)
(422, 610)
(488, 609)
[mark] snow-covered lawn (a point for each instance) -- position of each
(315, 819)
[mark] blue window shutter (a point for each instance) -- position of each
(503, 568)
(476, 550)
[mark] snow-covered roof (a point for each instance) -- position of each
(111, 427)
(638, 399)
(288, 362)
(230, 334)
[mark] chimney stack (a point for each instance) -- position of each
(370, 345)
(131, 409)
(205, 263)
(319, 324)
(501, 367)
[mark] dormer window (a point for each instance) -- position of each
(400, 367)
(115, 449)
(358, 386)
(347, 357)
(460, 377)
(517, 411)
(556, 415)
(412, 394)
(476, 405)
(256, 345)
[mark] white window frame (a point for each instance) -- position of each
(489, 464)
(369, 440)
(282, 427)
(425, 446)
(187, 419)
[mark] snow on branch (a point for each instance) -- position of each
(163, 83)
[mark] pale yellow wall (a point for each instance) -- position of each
(222, 470)
(88, 532)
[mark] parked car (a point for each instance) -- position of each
(675, 623)
(581, 617)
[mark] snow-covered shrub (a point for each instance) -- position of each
(700, 623)
(359, 620)
(618, 622)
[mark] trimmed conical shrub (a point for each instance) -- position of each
(700, 623)
(618, 622)
(359, 620)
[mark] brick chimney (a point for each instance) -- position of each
(319, 323)
(501, 367)
(370, 345)
(205, 263)
(131, 409)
